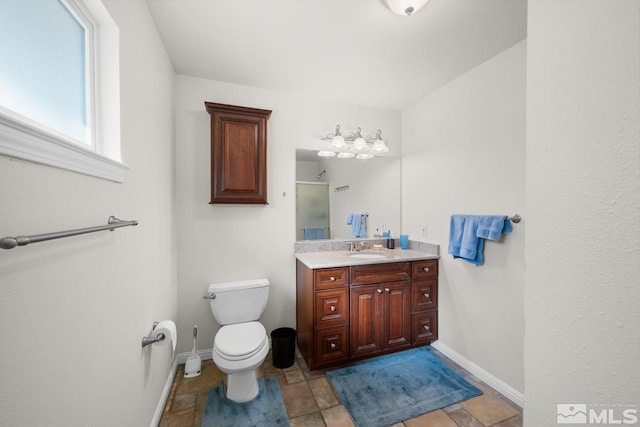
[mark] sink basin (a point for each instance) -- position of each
(368, 255)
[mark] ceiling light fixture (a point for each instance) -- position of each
(405, 7)
(353, 145)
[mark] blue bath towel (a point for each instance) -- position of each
(358, 224)
(313, 233)
(467, 234)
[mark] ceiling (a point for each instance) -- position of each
(354, 51)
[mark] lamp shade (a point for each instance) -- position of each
(359, 144)
(405, 7)
(326, 153)
(337, 142)
(379, 146)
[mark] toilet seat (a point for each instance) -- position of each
(240, 341)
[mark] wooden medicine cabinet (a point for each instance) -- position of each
(238, 154)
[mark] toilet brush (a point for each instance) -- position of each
(192, 366)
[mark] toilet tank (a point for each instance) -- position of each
(238, 301)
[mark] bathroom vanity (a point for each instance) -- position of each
(352, 306)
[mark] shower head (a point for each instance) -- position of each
(321, 174)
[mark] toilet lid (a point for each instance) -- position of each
(240, 340)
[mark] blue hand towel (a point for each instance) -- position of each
(493, 226)
(468, 232)
(313, 233)
(358, 224)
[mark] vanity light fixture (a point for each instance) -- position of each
(405, 7)
(353, 145)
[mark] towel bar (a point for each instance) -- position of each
(515, 219)
(112, 223)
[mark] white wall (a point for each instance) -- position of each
(234, 242)
(582, 299)
(463, 152)
(73, 311)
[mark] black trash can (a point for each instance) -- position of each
(283, 347)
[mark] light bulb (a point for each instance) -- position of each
(364, 156)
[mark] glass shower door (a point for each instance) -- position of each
(312, 211)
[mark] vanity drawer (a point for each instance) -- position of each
(331, 307)
(379, 273)
(425, 269)
(425, 327)
(328, 278)
(424, 294)
(332, 345)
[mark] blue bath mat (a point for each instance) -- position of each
(389, 389)
(266, 410)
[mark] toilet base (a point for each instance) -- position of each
(242, 386)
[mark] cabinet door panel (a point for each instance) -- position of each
(396, 315)
(365, 320)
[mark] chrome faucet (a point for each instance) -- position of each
(355, 246)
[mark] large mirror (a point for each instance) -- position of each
(346, 198)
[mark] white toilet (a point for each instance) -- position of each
(241, 344)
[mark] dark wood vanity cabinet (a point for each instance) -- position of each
(380, 317)
(238, 154)
(349, 313)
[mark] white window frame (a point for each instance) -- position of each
(26, 139)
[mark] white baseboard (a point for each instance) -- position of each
(165, 394)
(492, 381)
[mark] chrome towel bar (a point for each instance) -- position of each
(113, 223)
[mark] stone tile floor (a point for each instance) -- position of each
(311, 401)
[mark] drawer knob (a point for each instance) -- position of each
(333, 308)
(332, 278)
(332, 345)
(426, 269)
(379, 291)
(426, 295)
(426, 327)
(387, 290)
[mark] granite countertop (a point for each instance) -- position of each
(328, 259)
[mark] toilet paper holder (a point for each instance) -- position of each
(151, 340)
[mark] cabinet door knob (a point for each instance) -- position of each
(379, 291)
(426, 295)
(426, 327)
(333, 308)
(332, 278)
(332, 345)
(426, 269)
(387, 290)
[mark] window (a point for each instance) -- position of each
(59, 85)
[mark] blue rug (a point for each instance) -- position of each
(266, 410)
(392, 388)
